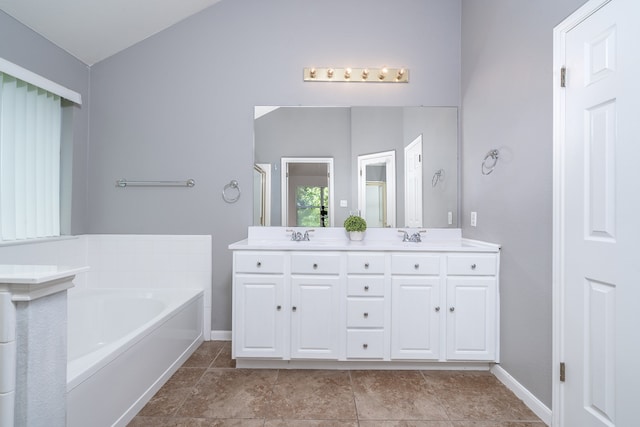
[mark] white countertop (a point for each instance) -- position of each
(335, 239)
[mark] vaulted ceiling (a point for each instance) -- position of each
(92, 30)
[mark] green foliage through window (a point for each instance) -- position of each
(312, 206)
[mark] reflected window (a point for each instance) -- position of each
(312, 206)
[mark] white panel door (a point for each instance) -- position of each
(259, 316)
(415, 318)
(413, 183)
(315, 309)
(471, 318)
(597, 230)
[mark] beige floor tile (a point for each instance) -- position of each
(204, 356)
(403, 423)
(223, 359)
(310, 423)
(312, 395)
(395, 395)
(230, 393)
(169, 398)
(193, 422)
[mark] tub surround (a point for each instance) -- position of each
(380, 303)
(33, 344)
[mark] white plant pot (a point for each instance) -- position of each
(356, 235)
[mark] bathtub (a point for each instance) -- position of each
(123, 345)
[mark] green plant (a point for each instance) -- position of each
(355, 223)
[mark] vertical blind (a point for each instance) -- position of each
(30, 125)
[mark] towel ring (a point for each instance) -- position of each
(232, 185)
(437, 177)
(487, 169)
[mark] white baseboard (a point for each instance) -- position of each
(220, 335)
(538, 408)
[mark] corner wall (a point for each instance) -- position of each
(506, 91)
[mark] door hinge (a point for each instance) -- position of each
(419, 158)
(563, 77)
(562, 372)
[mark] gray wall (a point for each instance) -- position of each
(180, 104)
(507, 104)
(22, 46)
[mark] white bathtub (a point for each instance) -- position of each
(123, 344)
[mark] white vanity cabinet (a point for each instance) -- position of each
(472, 310)
(259, 304)
(365, 304)
(315, 305)
(416, 306)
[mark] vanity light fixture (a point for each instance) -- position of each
(382, 75)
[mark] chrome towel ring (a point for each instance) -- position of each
(234, 189)
(488, 168)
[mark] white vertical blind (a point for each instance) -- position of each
(30, 126)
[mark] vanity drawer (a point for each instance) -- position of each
(259, 262)
(472, 265)
(364, 286)
(365, 313)
(365, 344)
(365, 263)
(315, 263)
(415, 264)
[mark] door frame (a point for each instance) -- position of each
(389, 158)
(559, 143)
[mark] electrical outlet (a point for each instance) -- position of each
(474, 219)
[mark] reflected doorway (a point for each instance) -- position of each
(377, 188)
(307, 192)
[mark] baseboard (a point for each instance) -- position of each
(538, 408)
(220, 335)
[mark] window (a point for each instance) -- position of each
(311, 206)
(30, 138)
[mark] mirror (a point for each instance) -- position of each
(420, 185)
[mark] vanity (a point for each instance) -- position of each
(377, 303)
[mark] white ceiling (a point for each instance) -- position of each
(92, 30)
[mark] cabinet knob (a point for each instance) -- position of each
(315, 266)
(365, 346)
(366, 287)
(437, 309)
(366, 265)
(279, 308)
(366, 315)
(473, 266)
(294, 308)
(452, 309)
(258, 264)
(416, 266)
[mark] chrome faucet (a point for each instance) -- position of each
(415, 237)
(297, 236)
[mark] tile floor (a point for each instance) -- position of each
(208, 391)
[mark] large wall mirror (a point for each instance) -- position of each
(396, 166)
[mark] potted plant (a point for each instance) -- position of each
(355, 226)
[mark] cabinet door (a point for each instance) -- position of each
(315, 309)
(259, 316)
(471, 318)
(415, 318)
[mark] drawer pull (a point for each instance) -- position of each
(279, 308)
(366, 315)
(366, 265)
(452, 309)
(416, 266)
(473, 266)
(315, 266)
(365, 346)
(437, 309)
(258, 264)
(294, 308)
(366, 287)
